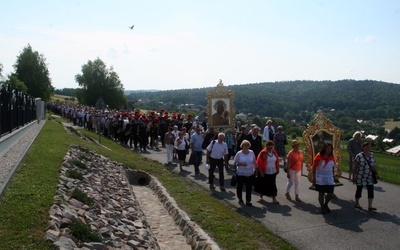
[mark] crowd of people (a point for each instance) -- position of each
(256, 166)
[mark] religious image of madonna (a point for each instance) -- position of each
(220, 112)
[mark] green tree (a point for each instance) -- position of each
(395, 134)
(16, 83)
(31, 69)
(98, 81)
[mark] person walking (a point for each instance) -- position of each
(364, 167)
(293, 170)
(180, 145)
(217, 152)
(230, 142)
(255, 140)
(269, 131)
(176, 133)
(210, 136)
(323, 175)
(196, 140)
(240, 137)
(353, 148)
(280, 141)
(245, 162)
(169, 141)
(267, 170)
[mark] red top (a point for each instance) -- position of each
(295, 159)
(262, 159)
(320, 157)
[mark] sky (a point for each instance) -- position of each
(192, 44)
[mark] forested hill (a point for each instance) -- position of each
(366, 99)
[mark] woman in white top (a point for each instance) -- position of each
(323, 173)
(268, 169)
(180, 145)
(245, 162)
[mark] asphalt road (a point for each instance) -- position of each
(304, 227)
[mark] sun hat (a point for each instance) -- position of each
(295, 143)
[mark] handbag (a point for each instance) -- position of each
(234, 179)
(375, 176)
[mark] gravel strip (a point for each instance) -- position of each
(11, 159)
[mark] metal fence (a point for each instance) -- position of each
(16, 109)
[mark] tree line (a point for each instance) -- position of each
(31, 76)
(364, 99)
(343, 102)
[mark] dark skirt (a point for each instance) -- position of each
(181, 154)
(266, 185)
(325, 188)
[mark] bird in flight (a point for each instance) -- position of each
(132, 27)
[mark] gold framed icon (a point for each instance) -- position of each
(320, 131)
(220, 108)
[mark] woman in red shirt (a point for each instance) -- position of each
(268, 169)
(294, 166)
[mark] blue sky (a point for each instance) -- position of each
(193, 44)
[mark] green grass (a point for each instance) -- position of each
(391, 124)
(26, 202)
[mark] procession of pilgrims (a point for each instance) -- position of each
(134, 129)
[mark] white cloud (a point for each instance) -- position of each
(370, 38)
(366, 39)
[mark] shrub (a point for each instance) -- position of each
(84, 233)
(75, 174)
(79, 164)
(82, 197)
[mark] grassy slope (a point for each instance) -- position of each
(25, 204)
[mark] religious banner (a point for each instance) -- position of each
(319, 132)
(220, 107)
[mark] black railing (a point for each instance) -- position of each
(16, 109)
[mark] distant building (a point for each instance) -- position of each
(372, 137)
(241, 116)
(395, 150)
(129, 107)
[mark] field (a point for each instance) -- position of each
(62, 98)
(392, 124)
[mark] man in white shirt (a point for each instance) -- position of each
(217, 152)
(196, 140)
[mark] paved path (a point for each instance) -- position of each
(302, 225)
(13, 148)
